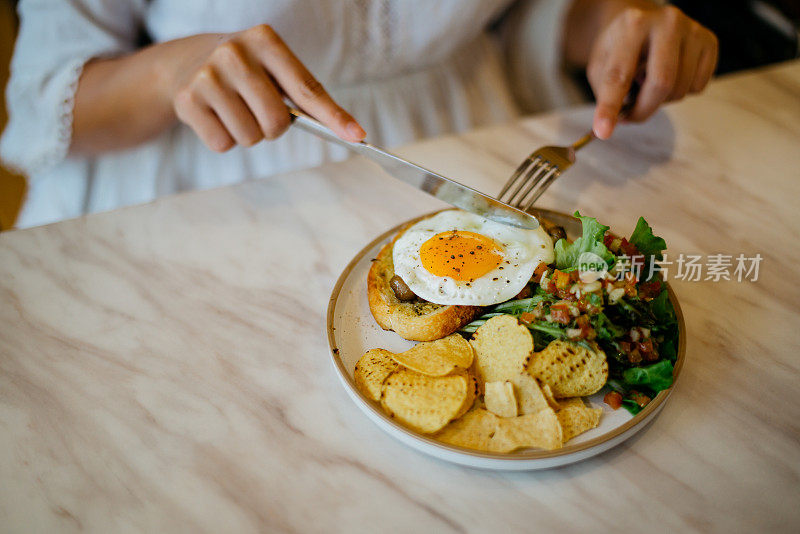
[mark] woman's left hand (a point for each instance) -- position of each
(676, 54)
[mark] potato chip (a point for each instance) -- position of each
(474, 430)
(548, 396)
(372, 369)
(500, 399)
(437, 358)
(576, 418)
(425, 403)
(540, 429)
(501, 347)
(469, 400)
(569, 369)
(530, 398)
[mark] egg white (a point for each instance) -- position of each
(522, 251)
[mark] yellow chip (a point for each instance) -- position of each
(372, 370)
(425, 403)
(500, 399)
(576, 418)
(541, 430)
(469, 400)
(530, 398)
(548, 395)
(569, 369)
(474, 430)
(437, 358)
(501, 347)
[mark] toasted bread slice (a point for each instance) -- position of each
(416, 320)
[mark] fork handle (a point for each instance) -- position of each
(583, 141)
(627, 106)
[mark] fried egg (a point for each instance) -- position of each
(456, 257)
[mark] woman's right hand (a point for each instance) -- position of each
(230, 90)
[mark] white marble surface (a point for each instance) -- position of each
(165, 367)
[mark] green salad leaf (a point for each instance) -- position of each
(647, 243)
(567, 254)
(631, 406)
(662, 308)
(606, 330)
(657, 376)
(666, 325)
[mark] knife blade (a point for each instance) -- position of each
(436, 185)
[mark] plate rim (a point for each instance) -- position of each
(643, 417)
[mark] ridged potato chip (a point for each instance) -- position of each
(569, 369)
(501, 346)
(499, 398)
(425, 403)
(372, 369)
(437, 358)
(540, 429)
(474, 430)
(576, 418)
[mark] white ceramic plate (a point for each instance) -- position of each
(352, 331)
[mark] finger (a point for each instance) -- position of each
(256, 89)
(300, 85)
(690, 57)
(200, 118)
(229, 107)
(612, 79)
(661, 73)
(706, 65)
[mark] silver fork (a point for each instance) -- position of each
(539, 170)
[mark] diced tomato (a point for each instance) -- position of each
(527, 318)
(630, 285)
(566, 294)
(649, 290)
(647, 350)
(587, 332)
(629, 249)
(539, 271)
(608, 238)
(613, 399)
(560, 279)
(574, 276)
(560, 313)
(640, 398)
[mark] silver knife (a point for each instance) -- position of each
(434, 184)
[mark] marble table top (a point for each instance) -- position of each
(165, 367)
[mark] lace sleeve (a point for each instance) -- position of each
(56, 39)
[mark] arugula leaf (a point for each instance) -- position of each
(631, 406)
(516, 307)
(647, 243)
(605, 329)
(657, 376)
(552, 329)
(662, 308)
(591, 241)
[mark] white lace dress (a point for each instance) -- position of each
(405, 69)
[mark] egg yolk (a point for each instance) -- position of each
(460, 255)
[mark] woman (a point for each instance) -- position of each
(97, 121)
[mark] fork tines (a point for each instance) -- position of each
(524, 188)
